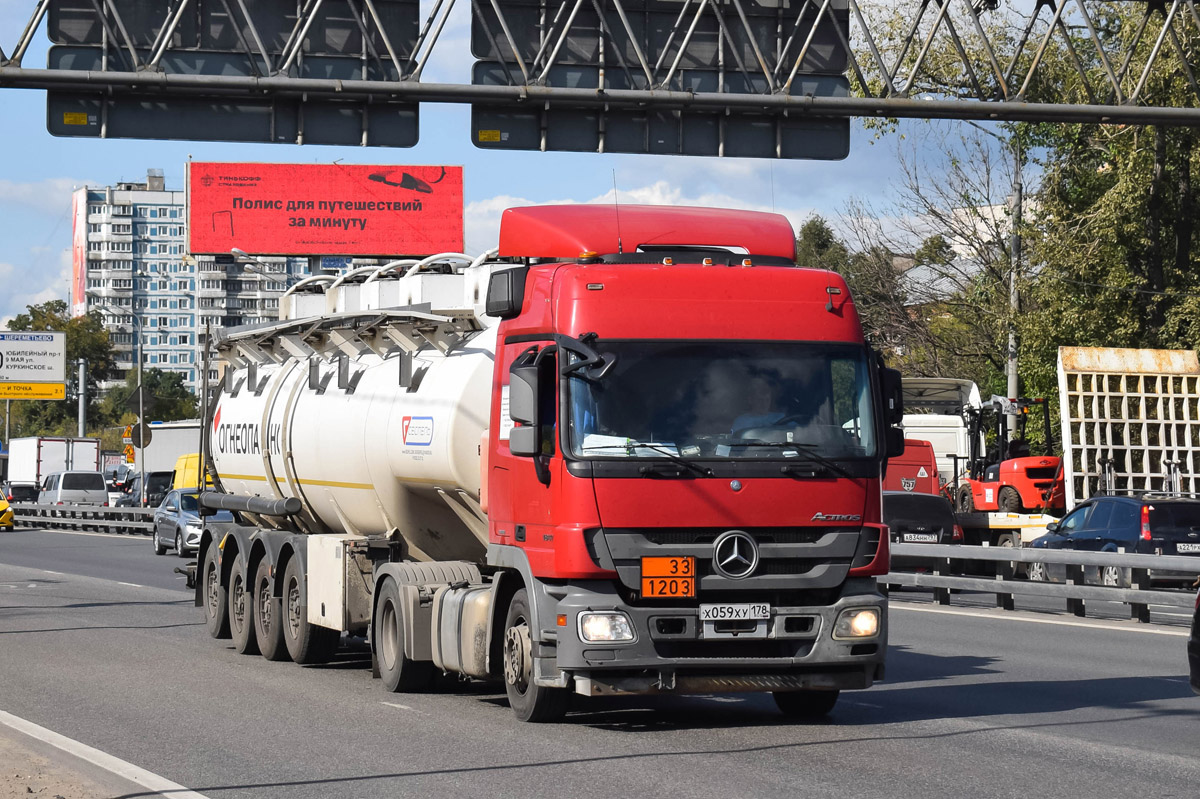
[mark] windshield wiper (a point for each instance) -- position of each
(649, 468)
(806, 453)
(652, 468)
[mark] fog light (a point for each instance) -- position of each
(605, 627)
(857, 623)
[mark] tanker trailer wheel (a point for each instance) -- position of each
(306, 643)
(268, 615)
(529, 701)
(214, 601)
(400, 673)
(1009, 500)
(806, 704)
(241, 611)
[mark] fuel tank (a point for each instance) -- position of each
(365, 454)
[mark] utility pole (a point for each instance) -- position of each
(1014, 299)
(81, 383)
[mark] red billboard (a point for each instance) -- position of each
(324, 209)
(79, 252)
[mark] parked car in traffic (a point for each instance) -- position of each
(177, 522)
(74, 488)
(157, 486)
(1149, 524)
(20, 492)
(914, 518)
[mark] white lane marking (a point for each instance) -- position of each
(867, 704)
(111, 764)
(131, 585)
(1060, 623)
(47, 571)
(114, 536)
(403, 707)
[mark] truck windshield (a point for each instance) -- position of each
(714, 399)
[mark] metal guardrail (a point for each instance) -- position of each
(946, 564)
(86, 517)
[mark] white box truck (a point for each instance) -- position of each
(31, 459)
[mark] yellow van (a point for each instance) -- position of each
(187, 471)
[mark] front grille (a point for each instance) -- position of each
(790, 559)
(1041, 473)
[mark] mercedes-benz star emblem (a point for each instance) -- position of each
(735, 555)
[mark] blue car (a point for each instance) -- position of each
(1150, 524)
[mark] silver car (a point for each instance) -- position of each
(177, 522)
(73, 488)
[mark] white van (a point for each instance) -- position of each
(74, 488)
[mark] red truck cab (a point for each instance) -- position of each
(684, 459)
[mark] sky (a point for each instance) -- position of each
(38, 171)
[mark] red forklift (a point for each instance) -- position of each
(1007, 477)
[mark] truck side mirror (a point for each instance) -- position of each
(893, 410)
(524, 404)
(506, 293)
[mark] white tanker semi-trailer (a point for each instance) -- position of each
(624, 456)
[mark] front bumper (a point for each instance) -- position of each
(675, 651)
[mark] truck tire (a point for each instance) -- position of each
(306, 643)
(529, 701)
(399, 673)
(807, 704)
(268, 615)
(966, 502)
(1009, 500)
(214, 601)
(241, 612)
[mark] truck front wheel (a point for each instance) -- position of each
(807, 704)
(306, 643)
(400, 673)
(212, 598)
(529, 701)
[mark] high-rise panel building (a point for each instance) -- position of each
(130, 262)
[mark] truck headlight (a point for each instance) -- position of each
(605, 627)
(857, 623)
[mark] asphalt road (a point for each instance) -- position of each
(977, 703)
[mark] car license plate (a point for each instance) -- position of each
(753, 610)
(921, 538)
(1187, 547)
(668, 576)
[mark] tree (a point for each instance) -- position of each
(171, 398)
(86, 338)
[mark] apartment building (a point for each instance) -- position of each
(130, 262)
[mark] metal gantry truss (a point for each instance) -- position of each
(1100, 61)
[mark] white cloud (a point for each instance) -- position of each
(33, 286)
(50, 195)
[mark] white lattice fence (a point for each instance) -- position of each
(1134, 412)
